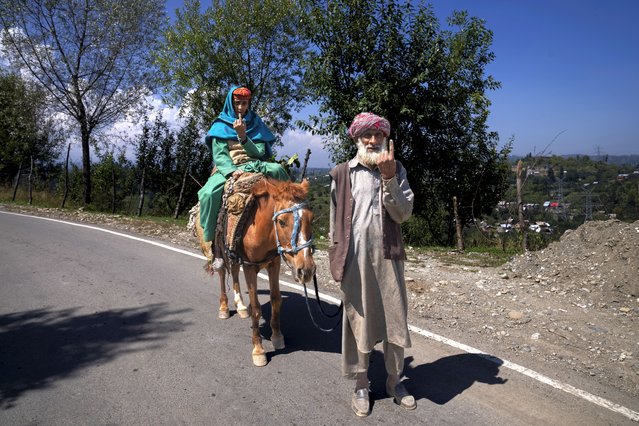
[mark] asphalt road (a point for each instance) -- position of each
(99, 329)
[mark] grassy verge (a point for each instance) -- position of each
(476, 256)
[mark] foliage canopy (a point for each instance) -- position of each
(92, 56)
(393, 59)
(253, 43)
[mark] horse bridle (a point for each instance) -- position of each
(294, 249)
(295, 209)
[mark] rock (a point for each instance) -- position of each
(515, 315)
(534, 336)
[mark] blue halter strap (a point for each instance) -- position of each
(295, 209)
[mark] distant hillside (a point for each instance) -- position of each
(619, 160)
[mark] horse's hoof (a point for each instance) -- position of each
(259, 360)
(243, 313)
(224, 314)
(278, 342)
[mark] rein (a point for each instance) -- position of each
(295, 209)
(310, 314)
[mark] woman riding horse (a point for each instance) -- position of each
(240, 142)
(280, 227)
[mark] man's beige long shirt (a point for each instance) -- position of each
(374, 289)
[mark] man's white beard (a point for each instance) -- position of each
(367, 157)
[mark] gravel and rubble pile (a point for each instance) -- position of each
(569, 311)
(601, 257)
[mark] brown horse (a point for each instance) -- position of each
(278, 228)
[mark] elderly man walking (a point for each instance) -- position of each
(370, 197)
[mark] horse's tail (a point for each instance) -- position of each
(207, 247)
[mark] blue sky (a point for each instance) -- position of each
(569, 71)
(564, 66)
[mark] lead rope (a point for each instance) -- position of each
(308, 307)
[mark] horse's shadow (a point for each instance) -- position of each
(299, 331)
(442, 380)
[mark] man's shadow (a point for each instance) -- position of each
(439, 381)
(444, 379)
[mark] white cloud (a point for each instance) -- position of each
(297, 142)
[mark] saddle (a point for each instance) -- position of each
(237, 203)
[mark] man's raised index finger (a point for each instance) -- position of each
(391, 148)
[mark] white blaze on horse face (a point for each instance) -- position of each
(302, 238)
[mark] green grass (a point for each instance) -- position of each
(476, 256)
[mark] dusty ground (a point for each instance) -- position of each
(570, 309)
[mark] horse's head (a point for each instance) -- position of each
(292, 219)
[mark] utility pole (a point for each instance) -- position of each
(520, 208)
(588, 189)
(560, 196)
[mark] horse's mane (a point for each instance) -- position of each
(282, 189)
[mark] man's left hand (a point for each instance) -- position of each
(386, 161)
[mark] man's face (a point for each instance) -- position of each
(373, 140)
(369, 145)
(241, 106)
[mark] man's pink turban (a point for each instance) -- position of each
(366, 121)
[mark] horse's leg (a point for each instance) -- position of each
(237, 292)
(259, 355)
(277, 339)
(223, 313)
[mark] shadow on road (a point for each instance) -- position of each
(299, 331)
(444, 379)
(439, 381)
(41, 346)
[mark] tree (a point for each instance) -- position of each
(146, 155)
(393, 59)
(191, 156)
(109, 179)
(27, 130)
(254, 42)
(92, 56)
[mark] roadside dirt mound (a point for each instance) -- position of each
(601, 257)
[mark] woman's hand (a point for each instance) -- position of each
(240, 127)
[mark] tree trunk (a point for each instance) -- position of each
(308, 154)
(66, 177)
(31, 181)
(458, 226)
(520, 209)
(15, 187)
(86, 164)
(181, 196)
(113, 194)
(141, 203)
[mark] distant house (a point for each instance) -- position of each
(542, 171)
(540, 227)
(622, 176)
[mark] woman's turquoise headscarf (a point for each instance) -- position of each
(256, 130)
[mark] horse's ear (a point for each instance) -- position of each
(297, 191)
(261, 187)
